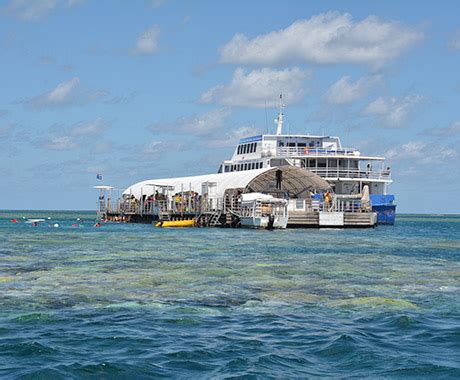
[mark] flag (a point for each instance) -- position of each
(99, 177)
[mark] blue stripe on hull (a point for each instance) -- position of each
(386, 214)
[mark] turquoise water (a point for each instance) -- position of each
(132, 301)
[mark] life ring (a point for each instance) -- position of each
(306, 151)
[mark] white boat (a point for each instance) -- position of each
(346, 169)
(263, 211)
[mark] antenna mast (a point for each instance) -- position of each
(279, 119)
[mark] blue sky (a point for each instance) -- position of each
(146, 89)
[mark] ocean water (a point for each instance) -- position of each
(135, 302)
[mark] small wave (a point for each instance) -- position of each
(343, 345)
(25, 349)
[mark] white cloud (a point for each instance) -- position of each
(195, 124)
(79, 135)
(231, 138)
(6, 131)
(157, 3)
(73, 3)
(327, 38)
(345, 91)
(65, 94)
(454, 42)
(33, 10)
(445, 132)
(393, 112)
(258, 88)
(147, 42)
(92, 128)
(421, 152)
(58, 143)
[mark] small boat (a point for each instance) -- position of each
(176, 223)
(263, 211)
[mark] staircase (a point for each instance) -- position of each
(303, 219)
(214, 219)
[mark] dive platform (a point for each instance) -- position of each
(218, 200)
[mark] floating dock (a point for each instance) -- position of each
(215, 200)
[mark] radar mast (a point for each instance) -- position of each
(279, 119)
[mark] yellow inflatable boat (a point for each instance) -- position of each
(176, 223)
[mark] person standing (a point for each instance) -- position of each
(279, 178)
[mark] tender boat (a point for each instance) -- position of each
(263, 211)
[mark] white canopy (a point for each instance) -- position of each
(223, 181)
(294, 180)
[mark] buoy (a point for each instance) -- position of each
(74, 225)
(49, 217)
(78, 218)
(14, 221)
(56, 225)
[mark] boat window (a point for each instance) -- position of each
(232, 167)
(312, 163)
(312, 144)
(245, 166)
(220, 169)
(253, 165)
(301, 145)
(291, 144)
(280, 143)
(321, 163)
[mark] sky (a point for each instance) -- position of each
(143, 89)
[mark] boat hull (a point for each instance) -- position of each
(262, 222)
(386, 214)
(385, 208)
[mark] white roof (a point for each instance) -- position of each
(222, 181)
(253, 196)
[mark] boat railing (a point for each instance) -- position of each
(213, 205)
(156, 207)
(306, 151)
(315, 205)
(338, 172)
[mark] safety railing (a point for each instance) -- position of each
(170, 205)
(306, 151)
(352, 173)
(335, 205)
